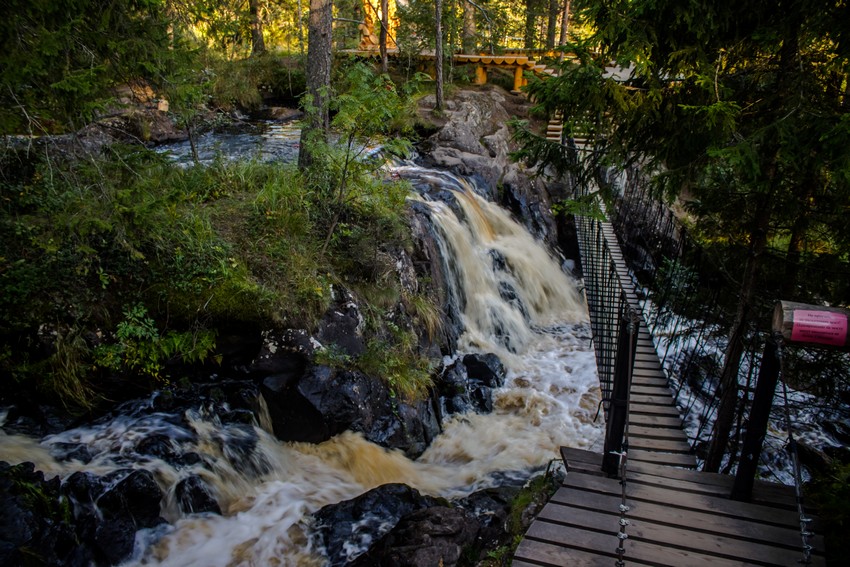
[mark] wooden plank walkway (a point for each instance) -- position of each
(677, 516)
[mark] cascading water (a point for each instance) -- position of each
(512, 299)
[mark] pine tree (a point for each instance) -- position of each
(743, 103)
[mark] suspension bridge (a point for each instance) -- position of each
(642, 501)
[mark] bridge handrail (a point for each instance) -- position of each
(614, 323)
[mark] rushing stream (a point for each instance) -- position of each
(512, 298)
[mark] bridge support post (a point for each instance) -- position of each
(768, 376)
(618, 412)
(518, 79)
(480, 75)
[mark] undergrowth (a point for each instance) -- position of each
(135, 263)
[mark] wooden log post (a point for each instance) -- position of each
(793, 324)
(480, 75)
(518, 79)
(813, 325)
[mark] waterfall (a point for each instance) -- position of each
(512, 298)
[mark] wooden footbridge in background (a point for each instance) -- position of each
(670, 513)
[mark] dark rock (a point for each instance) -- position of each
(284, 353)
(34, 419)
(242, 416)
(34, 520)
(159, 446)
(114, 539)
(839, 430)
(813, 458)
(454, 389)
(347, 529)
(71, 452)
(491, 507)
(342, 325)
(136, 495)
(410, 428)
(239, 446)
(438, 535)
(428, 262)
(322, 403)
(238, 345)
(467, 385)
(128, 504)
(194, 496)
(485, 369)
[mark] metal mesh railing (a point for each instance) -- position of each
(606, 299)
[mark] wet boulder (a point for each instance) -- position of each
(128, 504)
(35, 522)
(323, 402)
(195, 497)
(492, 507)
(348, 529)
(453, 387)
(438, 535)
(467, 384)
(410, 428)
(485, 369)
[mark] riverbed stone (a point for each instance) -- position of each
(323, 402)
(348, 529)
(438, 535)
(194, 496)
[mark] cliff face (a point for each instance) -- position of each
(474, 139)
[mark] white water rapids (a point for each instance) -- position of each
(540, 332)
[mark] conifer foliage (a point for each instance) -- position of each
(743, 105)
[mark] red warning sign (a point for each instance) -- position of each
(821, 327)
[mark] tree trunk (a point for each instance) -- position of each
(468, 39)
(565, 23)
(530, 20)
(299, 19)
(318, 77)
(258, 44)
(382, 38)
(735, 349)
(788, 291)
(788, 54)
(552, 23)
(438, 53)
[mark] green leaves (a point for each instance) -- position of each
(58, 62)
(140, 347)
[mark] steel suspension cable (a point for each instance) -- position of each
(623, 522)
(805, 533)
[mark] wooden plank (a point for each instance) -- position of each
(570, 454)
(654, 420)
(651, 399)
(782, 536)
(765, 493)
(648, 368)
(650, 389)
(542, 553)
(668, 410)
(681, 536)
(661, 458)
(649, 380)
(688, 501)
(658, 433)
(652, 444)
(636, 551)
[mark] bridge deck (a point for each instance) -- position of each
(678, 516)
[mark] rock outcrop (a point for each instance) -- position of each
(476, 140)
